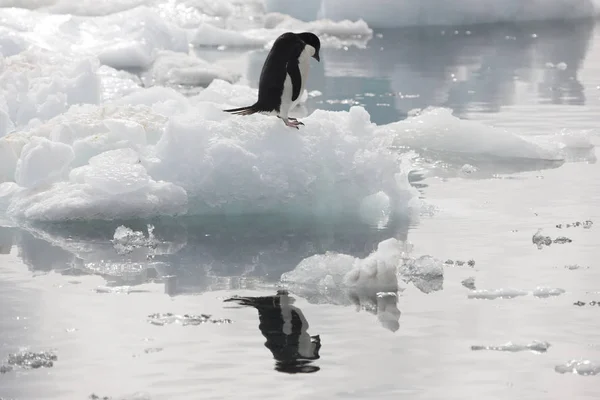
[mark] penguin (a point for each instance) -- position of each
(283, 76)
(285, 330)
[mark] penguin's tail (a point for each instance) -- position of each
(244, 110)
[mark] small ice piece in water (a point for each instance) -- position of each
(540, 240)
(544, 292)
(28, 359)
(579, 367)
(496, 294)
(425, 272)
(469, 283)
(116, 289)
(561, 65)
(535, 346)
(562, 240)
(468, 169)
(153, 350)
(125, 239)
(161, 319)
(315, 93)
(573, 267)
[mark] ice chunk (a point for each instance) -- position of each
(331, 34)
(161, 319)
(579, 367)
(11, 42)
(116, 84)
(323, 27)
(41, 84)
(496, 294)
(436, 129)
(369, 276)
(425, 272)
(210, 35)
(65, 201)
(172, 68)
(535, 346)
(28, 359)
(42, 161)
(189, 149)
(543, 291)
(125, 240)
(114, 172)
(394, 14)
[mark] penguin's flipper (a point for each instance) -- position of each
(244, 110)
(293, 70)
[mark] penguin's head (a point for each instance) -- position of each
(312, 40)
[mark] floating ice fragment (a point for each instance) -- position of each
(425, 272)
(562, 240)
(116, 289)
(585, 224)
(583, 303)
(469, 283)
(468, 169)
(540, 240)
(573, 267)
(562, 66)
(28, 360)
(535, 346)
(169, 318)
(153, 350)
(125, 240)
(540, 291)
(543, 292)
(496, 294)
(315, 93)
(579, 367)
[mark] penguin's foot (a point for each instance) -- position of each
(292, 123)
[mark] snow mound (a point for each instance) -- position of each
(394, 14)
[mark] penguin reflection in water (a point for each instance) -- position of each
(285, 329)
(283, 76)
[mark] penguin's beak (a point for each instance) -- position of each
(316, 57)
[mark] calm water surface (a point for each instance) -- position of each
(536, 79)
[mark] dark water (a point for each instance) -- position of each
(476, 68)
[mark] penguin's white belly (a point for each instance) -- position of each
(287, 103)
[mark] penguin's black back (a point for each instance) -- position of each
(286, 48)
